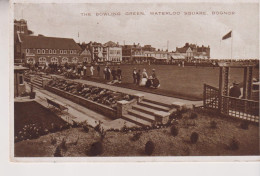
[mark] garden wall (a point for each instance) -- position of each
(102, 109)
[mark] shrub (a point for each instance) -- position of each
(57, 152)
(74, 124)
(174, 130)
(213, 124)
(136, 136)
(63, 144)
(194, 137)
(96, 149)
(234, 144)
(184, 109)
(53, 141)
(149, 148)
(244, 125)
(193, 115)
(85, 128)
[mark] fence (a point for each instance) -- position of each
(210, 97)
(230, 106)
(240, 108)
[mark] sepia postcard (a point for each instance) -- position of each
(149, 81)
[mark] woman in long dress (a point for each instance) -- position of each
(144, 78)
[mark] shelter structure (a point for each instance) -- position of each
(19, 86)
(218, 99)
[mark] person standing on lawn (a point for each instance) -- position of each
(92, 70)
(113, 73)
(153, 74)
(105, 73)
(84, 70)
(144, 78)
(138, 77)
(134, 75)
(98, 69)
(119, 74)
(108, 73)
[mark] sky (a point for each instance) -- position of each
(66, 20)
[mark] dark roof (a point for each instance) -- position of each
(111, 44)
(43, 42)
(182, 50)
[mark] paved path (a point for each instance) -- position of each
(76, 112)
(151, 96)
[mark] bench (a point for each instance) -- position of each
(57, 105)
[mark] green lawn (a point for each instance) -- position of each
(187, 81)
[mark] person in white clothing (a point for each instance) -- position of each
(92, 70)
(144, 78)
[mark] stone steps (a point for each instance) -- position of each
(154, 106)
(157, 103)
(143, 113)
(144, 116)
(143, 109)
(136, 120)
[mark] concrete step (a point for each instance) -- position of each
(37, 81)
(35, 85)
(141, 115)
(157, 103)
(143, 109)
(154, 106)
(136, 120)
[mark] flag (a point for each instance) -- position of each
(228, 35)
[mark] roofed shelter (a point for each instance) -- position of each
(19, 86)
(218, 99)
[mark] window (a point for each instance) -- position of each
(74, 60)
(50, 51)
(42, 60)
(27, 51)
(43, 51)
(64, 59)
(21, 79)
(54, 51)
(71, 51)
(54, 60)
(65, 52)
(38, 51)
(30, 60)
(61, 51)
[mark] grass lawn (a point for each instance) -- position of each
(177, 81)
(28, 113)
(211, 142)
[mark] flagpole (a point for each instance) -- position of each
(231, 45)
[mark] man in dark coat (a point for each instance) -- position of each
(138, 77)
(235, 91)
(113, 73)
(119, 73)
(98, 69)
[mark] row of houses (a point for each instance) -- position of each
(31, 49)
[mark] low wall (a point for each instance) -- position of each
(100, 108)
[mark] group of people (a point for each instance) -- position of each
(115, 73)
(142, 79)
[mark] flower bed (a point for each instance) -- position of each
(98, 99)
(32, 120)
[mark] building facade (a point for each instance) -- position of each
(192, 51)
(114, 52)
(43, 50)
(47, 50)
